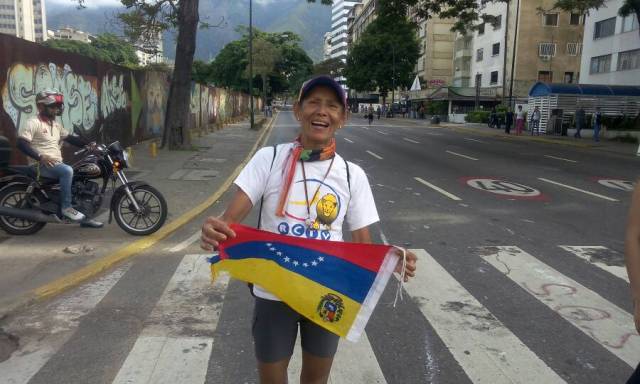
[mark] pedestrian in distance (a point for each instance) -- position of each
(508, 121)
(535, 121)
(632, 260)
(492, 118)
(378, 112)
(580, 119)
(276, 178)
(370, 114)
(519, 120)
(597, 124)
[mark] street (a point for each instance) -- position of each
(520, 276)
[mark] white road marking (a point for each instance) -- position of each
(353, 363)
(348, 141)
(374, 155)
(433, 134)
(576, 189)
(365, 128)
(43, 334)
(438, 189)
(410, 140)
(158, 355)
(179, 247)
(382, 132)
(476, 140)
(560, 158)
(461, 155)
(487, 350)
(588, 252)
(599, 319)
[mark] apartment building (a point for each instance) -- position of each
(360, 16)
(611, 47)
(339, 17)
(436, 65)
(462, 56)
(541, 45)
(68, 33)
(150, 50)
(326, 46)
(24, 18)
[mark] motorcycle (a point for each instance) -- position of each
(28, 202)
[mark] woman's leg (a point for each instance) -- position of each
(318, 348)
(315, 370)
(273, 373)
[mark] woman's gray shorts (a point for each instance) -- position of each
(275, 328)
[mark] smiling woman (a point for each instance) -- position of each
(304, 189)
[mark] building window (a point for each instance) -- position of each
(495, 49)
(479, 54)
(550, 19)
(498, 24)
(568, 77)
(481, 29)
(545, 76)
(494, 77)
(576, 19)
(574, 49)
(629, 60)
(629, 23)
(604, 28)
(600, 64)
(546, 49)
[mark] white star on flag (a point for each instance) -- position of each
(279, 253)
(286, 259)
(272, 249)
(305, 265)
(295, 263)
(320, 258)
(269, 244)
(314, 263)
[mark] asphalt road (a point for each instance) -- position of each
(520, 278)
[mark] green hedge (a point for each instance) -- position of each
(477, 117)
(621, 123)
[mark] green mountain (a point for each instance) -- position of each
(310, 21)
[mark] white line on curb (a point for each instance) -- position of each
(374, 155)
(438, 189)
(461, 155)
(410, 140)
(382, 133)
(560, 158)
(179, 247)
(347, 140)
(576, 189)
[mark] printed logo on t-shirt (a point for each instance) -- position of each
(326, 206)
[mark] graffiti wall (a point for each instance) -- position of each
(102, 101)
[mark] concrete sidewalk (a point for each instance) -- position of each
(59, 257)
(586, 142)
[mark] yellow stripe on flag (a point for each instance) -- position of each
(300, 293)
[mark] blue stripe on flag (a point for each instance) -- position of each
(332, 272)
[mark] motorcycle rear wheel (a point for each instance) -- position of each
(153, 211)
(14, 196)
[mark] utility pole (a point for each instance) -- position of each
(505, 51)
(393, 76)
(251, 62)
(513, 57)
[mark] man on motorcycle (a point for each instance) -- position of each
(39, 139)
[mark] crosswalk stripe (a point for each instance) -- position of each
(182, 320)
(589, 254)
(601, 320)
(42, 333)
(486, 350)
(184, 244)
(353, 363)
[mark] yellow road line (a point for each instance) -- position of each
(77, 277)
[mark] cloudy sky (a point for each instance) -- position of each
(117, 3)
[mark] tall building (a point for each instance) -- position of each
(547, 47)
(326, 46)
(435, 66)
(24, 18)
(150, 50)
(611, 47)
(339, 16)
(68, 33)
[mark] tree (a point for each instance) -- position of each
(332, 67)
(265, 57)
(387, 52)
(106, 47)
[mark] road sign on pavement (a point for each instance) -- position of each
(504, 188)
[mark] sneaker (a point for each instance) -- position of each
(72, 214)
(91, 224)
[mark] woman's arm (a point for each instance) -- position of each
(216, 229)
(632, 252)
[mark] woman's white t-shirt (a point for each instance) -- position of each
(333, 206)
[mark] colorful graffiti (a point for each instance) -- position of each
(113, 96)
(157, 92)
(25, 81)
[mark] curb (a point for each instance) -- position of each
(72, 279)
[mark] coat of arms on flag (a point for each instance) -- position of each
(334, 284)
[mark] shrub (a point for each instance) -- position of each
(626, 139)
(477, 117)
(437, 108)
(621, 123)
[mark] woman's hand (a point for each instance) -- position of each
(410, 268)
(214, 231)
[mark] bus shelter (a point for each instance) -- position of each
(558, 102)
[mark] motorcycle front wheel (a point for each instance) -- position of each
(152, 214)
(15, 196)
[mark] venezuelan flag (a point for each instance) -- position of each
(334, 284)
